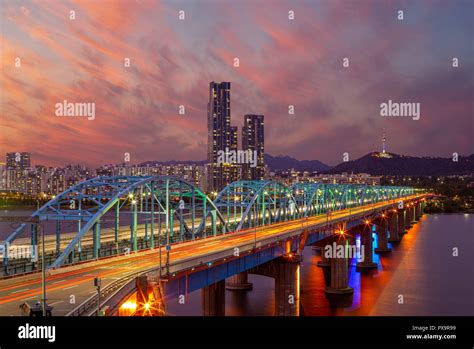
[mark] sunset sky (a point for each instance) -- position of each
(282, 63)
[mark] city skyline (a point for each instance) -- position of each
(282, 63)
(222, 160)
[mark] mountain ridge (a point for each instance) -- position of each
(374, 163)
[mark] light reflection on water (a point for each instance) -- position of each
(408, 269)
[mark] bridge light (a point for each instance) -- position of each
(147, 306)
(129, 305)
(383, 215)
(367, 221)
(134, 202)
(130, 196)
(341, 232)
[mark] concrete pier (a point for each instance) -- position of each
(339, 283)
(407, 219)
(393, 228)
(286, 272)
(417, 211)
(366, 243)
(287, 285)
(401, 223)
(238, 282)
(324, 262)
(382, 246)
(413, 218)
(213, 299)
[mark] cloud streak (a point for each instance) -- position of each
(282, 62)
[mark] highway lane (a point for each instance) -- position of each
(107, 235)
(72, 283)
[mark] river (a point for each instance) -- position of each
(421, 268)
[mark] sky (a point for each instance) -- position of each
(282, 62)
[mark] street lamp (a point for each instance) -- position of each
(255, 227)
(97, 282)
(43, 272)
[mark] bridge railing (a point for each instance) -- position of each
(90, 305)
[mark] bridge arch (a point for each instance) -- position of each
(260, 202)
(166, 199)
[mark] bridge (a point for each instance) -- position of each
(156, 238)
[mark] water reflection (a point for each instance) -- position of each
(421, 267)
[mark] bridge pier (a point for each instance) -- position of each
(324, 262)
(382, 246)
(238, 282)
(401, 223)
(393, 228)
(213, 299)
(407, 219)
(413, 218)
(286, 272)
(339, 283)
(287, 285)
(366, 243)
(416, 211)
(419, 210)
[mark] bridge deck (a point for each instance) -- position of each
(63, 283)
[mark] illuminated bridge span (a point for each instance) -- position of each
(168, 230)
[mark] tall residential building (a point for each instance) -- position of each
(21, 160)
(17, 164)
(221, 136)
(3, 176)
(233, 169)
(234, 143)
(253, 141)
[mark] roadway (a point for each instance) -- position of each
(64, 284)
(107, 235)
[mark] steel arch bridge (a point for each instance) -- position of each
(317, 198)
(155, 201)
(169, 209)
